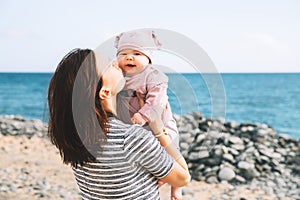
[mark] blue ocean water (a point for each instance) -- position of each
(268, 98)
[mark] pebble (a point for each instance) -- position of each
(247, 154)
(226, 174)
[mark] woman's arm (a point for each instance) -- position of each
(142, 147)
(179, 175)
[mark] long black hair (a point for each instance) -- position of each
(77, 119)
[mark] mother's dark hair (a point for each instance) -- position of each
(75, 109)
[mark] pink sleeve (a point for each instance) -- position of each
(157, 84)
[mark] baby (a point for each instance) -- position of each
(135, 59)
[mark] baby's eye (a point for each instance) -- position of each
(122, 54)
(137, 54)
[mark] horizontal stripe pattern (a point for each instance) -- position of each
(127, 167)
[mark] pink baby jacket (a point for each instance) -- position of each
(152, 84)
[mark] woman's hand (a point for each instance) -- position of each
(157, 125)
(138, 119)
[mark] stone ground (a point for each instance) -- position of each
(31, 168)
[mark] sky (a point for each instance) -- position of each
(238, 36)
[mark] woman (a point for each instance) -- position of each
(110, 159)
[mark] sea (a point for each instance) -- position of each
(270, 98)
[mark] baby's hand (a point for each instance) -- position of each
(138, 119)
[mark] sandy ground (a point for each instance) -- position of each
(32, 169)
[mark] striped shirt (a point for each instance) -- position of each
(128, 166)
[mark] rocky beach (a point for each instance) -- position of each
(227, 160)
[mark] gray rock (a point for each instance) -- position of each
(212, 179)
(218, 152)
(233, 151)
(235, 140)
(226, 174)
(184, 146)
(247, 170)
(238, 147)
(228, 157)
(194, 156)
(240, 179)
(215, 161)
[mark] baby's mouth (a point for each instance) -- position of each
(130, 65)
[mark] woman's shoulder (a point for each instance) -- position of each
(128, 129)
(116, 124)
(136, 137)
(132, 134)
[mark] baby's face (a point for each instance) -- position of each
(132, 62)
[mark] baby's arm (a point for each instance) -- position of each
(156, 96)
(157, 84)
